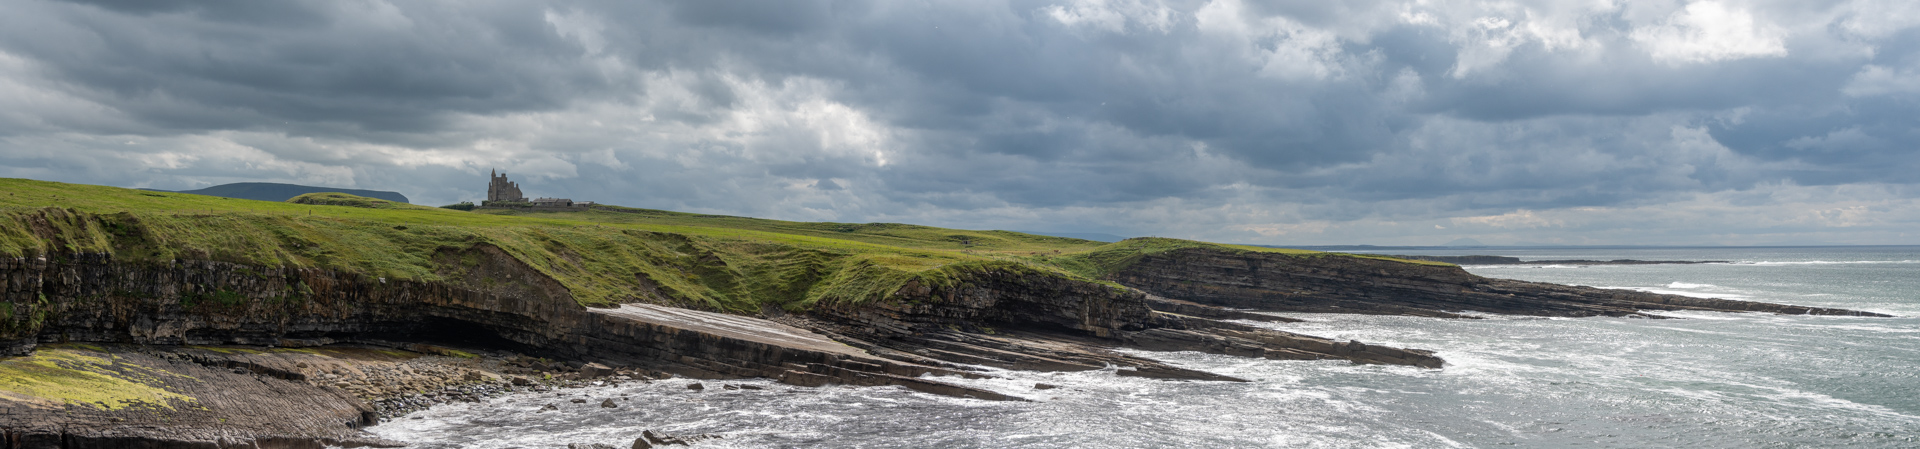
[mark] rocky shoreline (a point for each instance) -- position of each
(360, 385)
(338, 351)
(1329, 284)
(1508, 260)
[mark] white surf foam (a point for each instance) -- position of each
(1826, 262)
(1691, 293)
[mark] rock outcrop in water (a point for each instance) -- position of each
(1017, 321)
(1277, 282)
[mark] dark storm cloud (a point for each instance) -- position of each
(1266, 116)
(303, 67)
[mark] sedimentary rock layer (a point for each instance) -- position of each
(1052, 323)
(92, 298)
(1278, 282)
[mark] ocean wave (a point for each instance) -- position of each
(1675, 291)
(1823, 262)
(1527, 265)
(1677, 284)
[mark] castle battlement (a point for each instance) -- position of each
(500, 189)
(504, 193)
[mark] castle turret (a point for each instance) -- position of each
(499, 189)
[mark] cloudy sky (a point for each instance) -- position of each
(1286, 122)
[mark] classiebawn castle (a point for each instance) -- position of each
(504, 193)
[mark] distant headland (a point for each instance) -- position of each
(273, 191)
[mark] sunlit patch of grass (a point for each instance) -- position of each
(61, 375)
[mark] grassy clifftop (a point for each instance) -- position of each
(603, 256)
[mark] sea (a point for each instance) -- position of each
(1701, 380)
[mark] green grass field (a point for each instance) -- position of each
(602, 255)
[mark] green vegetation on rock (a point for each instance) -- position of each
(85, 375)
(603, 256)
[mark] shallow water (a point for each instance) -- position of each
(1710, 380)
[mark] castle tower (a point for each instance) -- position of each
(499, 189)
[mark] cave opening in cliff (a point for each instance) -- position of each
(466, 333)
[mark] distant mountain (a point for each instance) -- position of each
(269, 191)
(1094, 236)
(1464, 242)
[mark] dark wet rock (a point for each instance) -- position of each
(751, 387)
(729, 386)
(595, 370)
(590, 446)
(1027, 322)
(521, 381)
(660, 439)
(1190, 308)
(696, 386)
(608, 404)
(1045, 386)
(1337, 284)
(577, 401)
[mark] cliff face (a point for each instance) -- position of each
(1022, 320)
(1007, 299)
(90, 297)
(1335, 284)
(494, 300)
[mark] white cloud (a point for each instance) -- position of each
(1880, 80)
(1281, 47)
(1878, 18)
(1113, 16)
(1519, 219)
(1292, 230)
(1709, 31)
(583, 28)
(1837, 140)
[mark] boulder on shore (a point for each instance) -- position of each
(595, 370)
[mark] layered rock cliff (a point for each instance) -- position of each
(1005, 318)
(1328, 283)
(92, 298)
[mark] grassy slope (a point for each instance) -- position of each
(602, 256)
